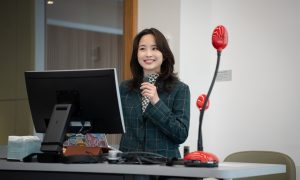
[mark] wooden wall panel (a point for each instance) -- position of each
(130, 30)
(69, 48)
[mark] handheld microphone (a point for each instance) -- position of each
(145, 99)
(151, 78)
(146, 79)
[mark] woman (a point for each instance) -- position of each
(156, 105)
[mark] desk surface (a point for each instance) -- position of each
(226, 170)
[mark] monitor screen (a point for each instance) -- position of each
(74, 101)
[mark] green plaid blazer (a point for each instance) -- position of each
(162, 127)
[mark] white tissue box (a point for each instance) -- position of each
(20, 146)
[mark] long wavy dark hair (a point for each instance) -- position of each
(167, 75)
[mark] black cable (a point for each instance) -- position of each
(143, 158)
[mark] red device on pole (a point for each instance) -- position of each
(220, 38)
(201, 158)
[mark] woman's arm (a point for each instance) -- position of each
(172, 120)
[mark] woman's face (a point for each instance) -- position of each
(149, 57)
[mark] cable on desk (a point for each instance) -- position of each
(142, 158)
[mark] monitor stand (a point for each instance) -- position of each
(52, 144)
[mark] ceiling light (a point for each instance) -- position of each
(50, 2)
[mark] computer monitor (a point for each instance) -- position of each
(73, 101)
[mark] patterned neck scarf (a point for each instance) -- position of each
(151, 78)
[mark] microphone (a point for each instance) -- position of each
(146, 79)
(150, 78)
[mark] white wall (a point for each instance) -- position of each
(159, 14)
(259, 108)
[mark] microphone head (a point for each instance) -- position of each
(151, 78)
(200, 102)
(220, 38)
(146, 79)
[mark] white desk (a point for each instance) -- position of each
(117, 171)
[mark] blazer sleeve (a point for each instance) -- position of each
(173, 120)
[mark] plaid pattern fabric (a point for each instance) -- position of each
(162, 127)
(151, 78)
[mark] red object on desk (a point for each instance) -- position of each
(201, 159)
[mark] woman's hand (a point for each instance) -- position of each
(150, 91)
